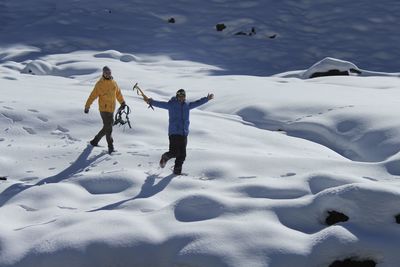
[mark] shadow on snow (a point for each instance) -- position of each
(148, 189)
(82, 162)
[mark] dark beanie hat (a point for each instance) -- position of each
(106, 68)
(181, 92)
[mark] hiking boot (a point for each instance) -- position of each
(163, 160)
(110, 150)
(178, 170)
(94, 143)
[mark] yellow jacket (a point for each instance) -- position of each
(107, 91)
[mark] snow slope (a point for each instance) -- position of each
(253, 196)
(306, 31)
(268, 159)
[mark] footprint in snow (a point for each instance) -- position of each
(11, 116)
(27, 208)
(247, 177)
(33, 110)
(28, 179)
(370, 178)
(9, 108)
(29, 130)
(204, 178)
(66, 208)
(145, 210)
(138, 154)
(62, 129)
(288, 174)
(44, 119)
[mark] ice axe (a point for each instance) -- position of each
(140, 92)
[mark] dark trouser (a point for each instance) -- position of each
(177, 149)
(108, 120)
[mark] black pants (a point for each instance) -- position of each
(108, 120)
(177, 149)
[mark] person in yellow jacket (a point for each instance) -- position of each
(107, 90)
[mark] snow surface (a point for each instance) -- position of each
(268, 158)
(305, 31)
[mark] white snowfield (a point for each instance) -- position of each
(269, 160)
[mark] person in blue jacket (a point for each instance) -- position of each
(178, 128)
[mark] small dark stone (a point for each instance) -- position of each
(273, 36)
(335, 217)
(220, 27)
(353, 263)
(397, 218)
(171, 20)
(330, 73)
(3, 178)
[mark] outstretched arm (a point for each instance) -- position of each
(159, 104)
(201, 101)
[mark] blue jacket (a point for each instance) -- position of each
(178, 114)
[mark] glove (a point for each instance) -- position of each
(123, 105)
(210, 96)
(86, 110)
